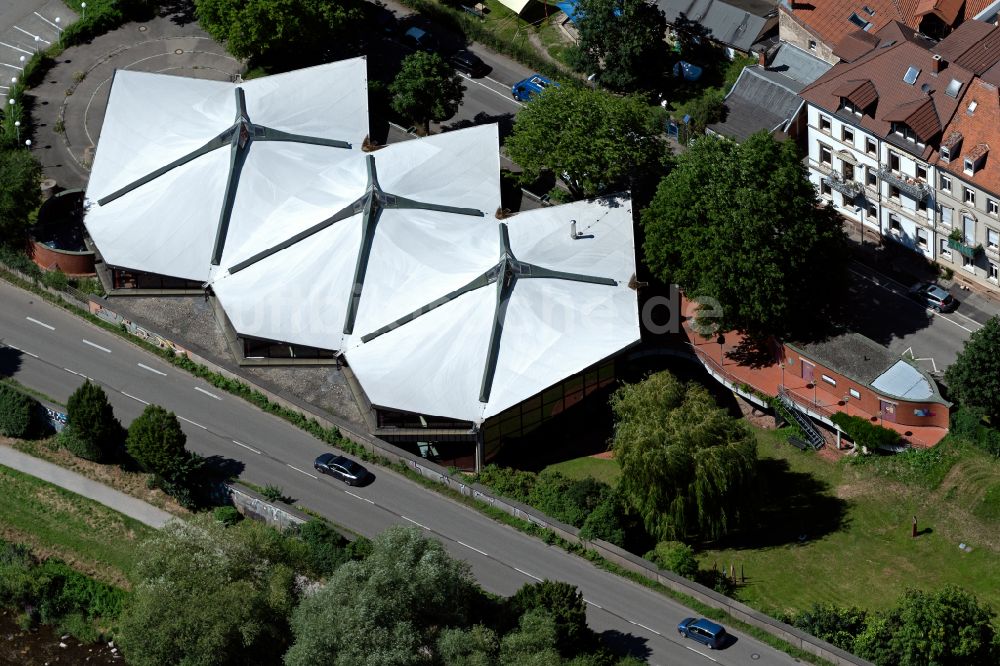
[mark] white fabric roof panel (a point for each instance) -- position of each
(553, 328)
(516, 6)
(168, 225)
(902, 380)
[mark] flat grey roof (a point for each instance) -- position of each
(759, 100)
(852, 355)
(796, 64)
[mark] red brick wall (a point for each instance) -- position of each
(71, 263)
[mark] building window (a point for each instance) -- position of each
(922, 173)
(894, 224)
(894, 161)
(993, 272)
(921, 239)
(824, 123)
(812, 44)
(870, 146)
(945, 183)
(969, 230)
(944, 250)
(829, 380)
(946, 214)
(848, 171)
(967, 264)
(872, 211)
(970, 195)
(848, 135)
(968, 166)
(992, 240)
(893, 192)
(825, 155)
(870, 178)
(992, 207)
(824, 188)
(855, 394)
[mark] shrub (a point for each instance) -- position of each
(80, 446)
(94, 432)
(866, 434)
(969, 423)
(227, 515)
(327, 547)
(272, 493)
(55, 279)
(834, 624)
(565, 604)
(674, 556)
(565, 499)
(607, 521)
(512, 483)
(18, 413)
(156, 441)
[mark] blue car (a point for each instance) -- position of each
(704, 631)
(524, 90)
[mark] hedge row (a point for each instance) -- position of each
(866, 434)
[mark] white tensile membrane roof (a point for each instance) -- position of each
(539, 307)
(181, 160)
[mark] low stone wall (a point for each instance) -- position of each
(254, 506)
(70, 263)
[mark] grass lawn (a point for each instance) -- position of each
(88, 536)
(865, 555)
(599, 468)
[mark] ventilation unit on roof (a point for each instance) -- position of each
(953, 88)
(972, 107)
(858, 21)
(925, 88)
(911, 75)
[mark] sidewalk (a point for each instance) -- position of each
(46, 471)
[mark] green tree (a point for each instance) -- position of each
(18, 413)
(207, 594)
(565, 606)
(426, 88)
(834, 624)
(944, 627)
(533, 643)
(285, 33)
(477, 646)
(156, 441)
(92, 431)
(622, 42)
(19, 194)
(385, 608)
(675, 556)
(742, 224)
(609, 521)
(594, 141)
(974, 378)
(688, 468)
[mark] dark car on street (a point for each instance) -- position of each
(419, 39)
(704, 631)
(340, 467)
(933, 296)
(469, 63)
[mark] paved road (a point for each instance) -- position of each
(130, 506)
(52, 351)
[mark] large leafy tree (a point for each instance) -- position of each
(92, 431)
(593, 140)
(155, 440)
(688, 468)
(426, 88)
(385, 609)
(742, 224)
(622, 42)
(974, 378)
(19, 194)
(565, 605)
(208, 594)
(282, 32)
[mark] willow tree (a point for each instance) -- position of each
(688, 468)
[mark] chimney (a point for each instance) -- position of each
(937, 64)
(572, 229)
(762, 58)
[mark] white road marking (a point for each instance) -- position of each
(73, 372)
(54, 25)
(302, 471)
(96, 346)
(192, 423)
(146, 367)
(646, 628)
(210, 395)
(248, 448)
(528, 574)
(23, 351)
(40, 323)
(415, 523)
(964, 328)
(593, 604)
(971, 320)
(702, 654)
(363, 499)
(16, 48)
(32, 35)
(128, 395)
(462, 543)
(506, 96)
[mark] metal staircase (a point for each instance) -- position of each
(791, 413)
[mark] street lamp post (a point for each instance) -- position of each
(20, 61)
(83, 10)
(27, 143)
(58, 27)
(37, 39)
(17, 129)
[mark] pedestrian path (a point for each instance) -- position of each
(42, 469)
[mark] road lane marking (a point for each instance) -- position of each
(146, 367)
(96, 346)
(363, 499)
(128, 395)
(462, 543)
(78, 374)
(964, 328)
(249, 448)
(302, 471)
(593, 604)
(642, 626)
(40, 323)
(959, 314)
(192, 423)
(528, 574)
(702, 654)
(23, 351)
(210, 395)
(415, 523)
(16, 48)
(506, 96)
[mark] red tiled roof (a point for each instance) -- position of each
(973, 45)
(974, 7)
(946, 10)
(923, 105)
(855, 44)
(979, 128)
(862, 94)
(830, 19)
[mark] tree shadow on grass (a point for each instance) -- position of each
(795, 507)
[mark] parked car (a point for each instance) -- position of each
(340, 467)
(524, 90)
(469, 63)
(704, 631)
(933, 296)
(420, 39)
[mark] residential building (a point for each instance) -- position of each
(736, 25)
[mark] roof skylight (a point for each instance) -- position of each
(953, 88)
(858, 21)
(911, 75)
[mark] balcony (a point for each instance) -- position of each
(908, 186)
(959, 246)
(849, 188)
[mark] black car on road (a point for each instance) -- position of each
(469, 63)
(933, 296)
(340, 467)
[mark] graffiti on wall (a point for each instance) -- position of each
(56, 419)
(132, 328)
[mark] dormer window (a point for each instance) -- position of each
(849, 106)
(945, 154)
(969, 166)
(903, 130)
(975, 159)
